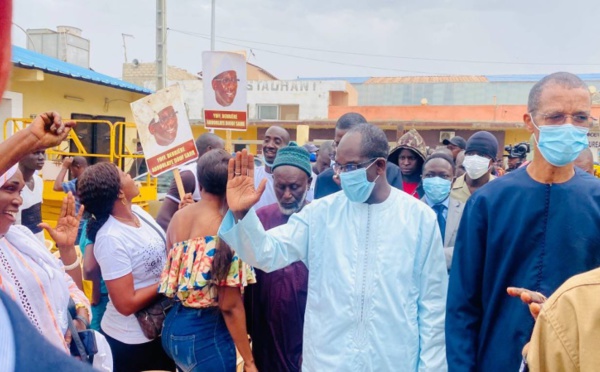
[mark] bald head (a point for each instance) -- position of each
(585, 161)
(207, 142)
(80, 161)
(350, 120)
(442, 150)
(275, 138)
(562, 79)
(277, 131)
(326, 148)
(78, 166)
(324, 157)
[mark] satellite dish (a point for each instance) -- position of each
(136, 63)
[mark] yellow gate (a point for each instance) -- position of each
(121, 155)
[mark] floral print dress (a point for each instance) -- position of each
(187, 273)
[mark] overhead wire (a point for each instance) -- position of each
(383, 55)
(311, 58)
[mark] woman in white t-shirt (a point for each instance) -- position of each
(130, 249)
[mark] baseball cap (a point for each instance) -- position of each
(311, 147)
(456, 141)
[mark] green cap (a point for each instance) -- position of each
(295, 156)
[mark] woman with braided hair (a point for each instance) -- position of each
(130, 249)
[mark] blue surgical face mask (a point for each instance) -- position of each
(356, 185)
(561, 144)
(437, 189)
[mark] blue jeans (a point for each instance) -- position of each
(198, 340)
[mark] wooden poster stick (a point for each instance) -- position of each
(179, 183)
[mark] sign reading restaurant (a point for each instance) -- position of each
(282, 86)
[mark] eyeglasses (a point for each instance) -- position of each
(442, 176)
(557, 118)
(341, 168)
(227, 81)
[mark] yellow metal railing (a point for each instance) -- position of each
(122, 144)
(13, 124)
(62, 150)
(118, 154)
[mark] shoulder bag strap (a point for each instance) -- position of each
(160, 233)
(77, 340)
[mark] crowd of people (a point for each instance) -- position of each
(423, 257)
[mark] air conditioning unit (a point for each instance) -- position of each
(446, 135)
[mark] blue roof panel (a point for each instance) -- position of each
(30, 59)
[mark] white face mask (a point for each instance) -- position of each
(476, 166)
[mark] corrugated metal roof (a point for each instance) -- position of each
(534, 78)
(351, 80)
(427, 79)
(264, 71)
(447, 79)
(29, 59)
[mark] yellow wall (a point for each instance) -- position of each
(249, 135)
(514, 136)
(48, 94)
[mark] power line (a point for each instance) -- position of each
(202, 36)
(386, 55)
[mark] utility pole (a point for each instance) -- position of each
(212, 27)
(212, 48)
(161, 44)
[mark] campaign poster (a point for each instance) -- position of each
(164, 130)
(224, 78)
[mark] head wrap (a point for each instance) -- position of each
(9, 173)
(295, 156)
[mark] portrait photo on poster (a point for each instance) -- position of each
(164, 126)
(224, 75)
(162, 121)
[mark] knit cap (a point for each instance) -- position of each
(295, 156)
(483, 142)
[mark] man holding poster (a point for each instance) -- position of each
(224, 75)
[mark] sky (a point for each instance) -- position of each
(338, 38)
